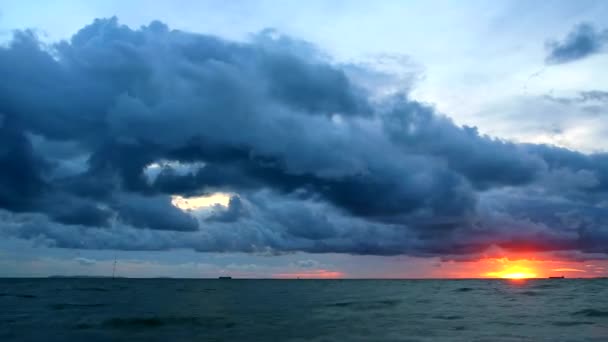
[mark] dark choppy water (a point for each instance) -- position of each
(302, 310)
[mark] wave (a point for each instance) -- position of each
(160, 321)
(571, 323)
(591, 313)
(448, 317)
(545, 286)
(92, 289)
(18, 295)
(378, 304)
(63, 306)
(531, 293)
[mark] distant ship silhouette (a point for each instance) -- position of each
(560, 277)
(225, 277)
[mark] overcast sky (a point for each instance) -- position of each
(321, 138)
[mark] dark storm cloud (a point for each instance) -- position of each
(154, 213)
(100, 131)
(486, 162)
(21, 180)
(234, 211)
(584, 40)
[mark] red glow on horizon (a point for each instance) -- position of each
(519, 268)
(311, 274)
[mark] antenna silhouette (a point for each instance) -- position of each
(114, 267)
(114, 264)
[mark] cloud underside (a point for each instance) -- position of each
(314, 161)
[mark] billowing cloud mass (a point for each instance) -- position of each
(584, 40)
(99, 132)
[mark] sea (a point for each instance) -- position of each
(105, 309)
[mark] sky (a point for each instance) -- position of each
(317, 139)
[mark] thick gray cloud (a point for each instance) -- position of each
(584, 40)
(232, 213)
(154, 212)
(316, 162)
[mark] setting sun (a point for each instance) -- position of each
(519, 266)
(512, 275)
(510, 269)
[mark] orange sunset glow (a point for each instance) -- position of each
(310, 274)
(514, 268)
(514, 272)
(520, 268)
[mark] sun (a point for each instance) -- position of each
(513, 272)
(518, 275)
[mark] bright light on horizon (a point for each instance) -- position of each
(518, 269)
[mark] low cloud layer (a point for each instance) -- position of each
(584, 40)
(314, 160)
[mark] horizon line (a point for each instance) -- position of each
(277, 278)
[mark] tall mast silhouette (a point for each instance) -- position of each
(114, 268)
(114, 264)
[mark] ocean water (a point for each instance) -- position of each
(303, 310)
